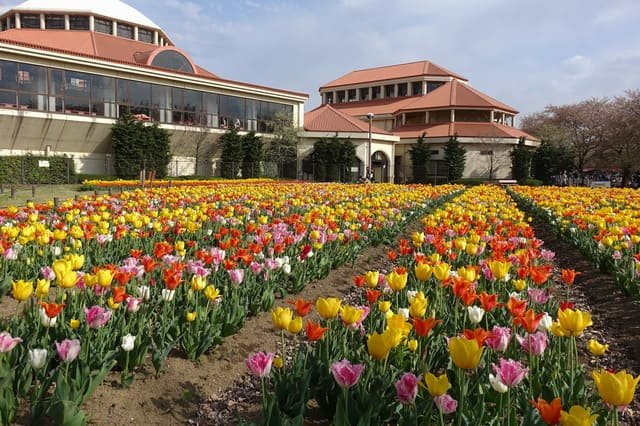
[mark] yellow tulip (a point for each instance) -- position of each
(596, 348)
(577, 416)
(471, 249)
(412, 345)
(441, 271)
(42, 288)
(465, 353)
(519, 284)
(397, 281)
(21, 290)
(211, 293)
(557, 330)
(499, 269)
(198, 283)
(59, 235)
(281, 317)
(74, 323)
(295, 325)
(397, 322)
(328, 307)
(104, 277)
(77, 261)
(90, 280)
(278, 362)
(418, 307)
(350, 314)
(616, 388)
(112, 304)
(437, 386)
(468, 274)
(371, 278)
(191, 316)
(423, 271)
(69, 279)
(384, 306)
(61, 267)
(377, 346)
(418, 238)
(574, 321)
(460, 243)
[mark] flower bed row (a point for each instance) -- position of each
(469, 327)
(103, 283)
(603, 223)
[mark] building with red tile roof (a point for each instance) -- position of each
(422, 99)
(70, 68)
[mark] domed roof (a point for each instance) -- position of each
(114, 9)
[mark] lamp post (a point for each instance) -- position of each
(368, 162)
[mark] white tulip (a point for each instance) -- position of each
(545, 322)
(411, 294)
(475, 314)
(286, 268)
(404, 312)
(45, 320)
(167, 295)
(144, 291)
(37, 358)
(128, 341)
(497, 385)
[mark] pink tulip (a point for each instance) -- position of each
(446, 404)
(510, 372)
(539, 295)
(133, 303)
(345, 373)
(68, 350)
(259, 364)
(7, 342)
(97, 316)
(236, 275)
(534, 344)
(499, 339)
(47, 273)
(407, 388)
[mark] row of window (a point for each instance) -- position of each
(351, 95)
(33, 87)
(77, 22)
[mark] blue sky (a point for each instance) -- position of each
(526, 53)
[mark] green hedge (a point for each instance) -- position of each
(25, 169)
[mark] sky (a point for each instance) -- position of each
(526, 53)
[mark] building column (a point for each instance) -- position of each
(404, 118)
(42, 23)
(426, 117)
(114, 31)
(335, 96)
(370, 93)
(18, 23)
(67, 23)
(453, 115)
(357, 94)
(395, 90)
(155, 38)
(92, 23)
(382, 94)
(135, 33)
(424, 87)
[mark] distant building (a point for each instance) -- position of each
(70, 68)
(408, 100)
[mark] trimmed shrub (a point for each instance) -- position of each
(25, 169)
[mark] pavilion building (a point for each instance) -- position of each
(70, 68)
(424, 99)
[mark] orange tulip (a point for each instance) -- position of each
(52, 309)
(302, 307)
(569, 275)
(549, 411)
(314, 331)
(424, 326)
(529, 320)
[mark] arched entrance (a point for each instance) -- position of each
(380, 166)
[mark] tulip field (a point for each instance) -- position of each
(473, 323)
(603, 223)
(468, 327)
(109, 283)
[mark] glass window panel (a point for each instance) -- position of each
(329, 97)
(77, 84)
(103, 26)
(73, 105)
(364, 94)
(178, 98)
(12, 21)
(122, 93)
(103, 96)
(139, 93)
(389, 91)
(352, 95)
(79, 22)
(340, 95)
(172, 60)
(402, 89)
(125, 31)
(145, 35)
(416, 88)
(32, 101)
(161, 96)
(433, 85)
(8, 75)
(375, 92)
(30, 21)
(32, 78)
(192, 100)
(54, 22)
(7, 99)
(232, 109)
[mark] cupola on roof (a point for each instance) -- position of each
(114, 9)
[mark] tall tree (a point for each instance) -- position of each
(420, 154)
(551, 159)
(521, 161)
(454, 158)
(232, 154)
(283, 147)
(253, 154)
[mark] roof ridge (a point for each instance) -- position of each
(389, 66)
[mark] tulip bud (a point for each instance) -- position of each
(295, 325)
(128, 342)
(384, 306)
(74, 323)
(191, 316)
(278, 362)
(412, 345)
(37, 358)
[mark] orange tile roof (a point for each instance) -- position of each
(462, 129)
(454, 94)
(328, 119)
(392, 72)
(103, 47)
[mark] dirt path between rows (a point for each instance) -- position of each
(174, 397)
